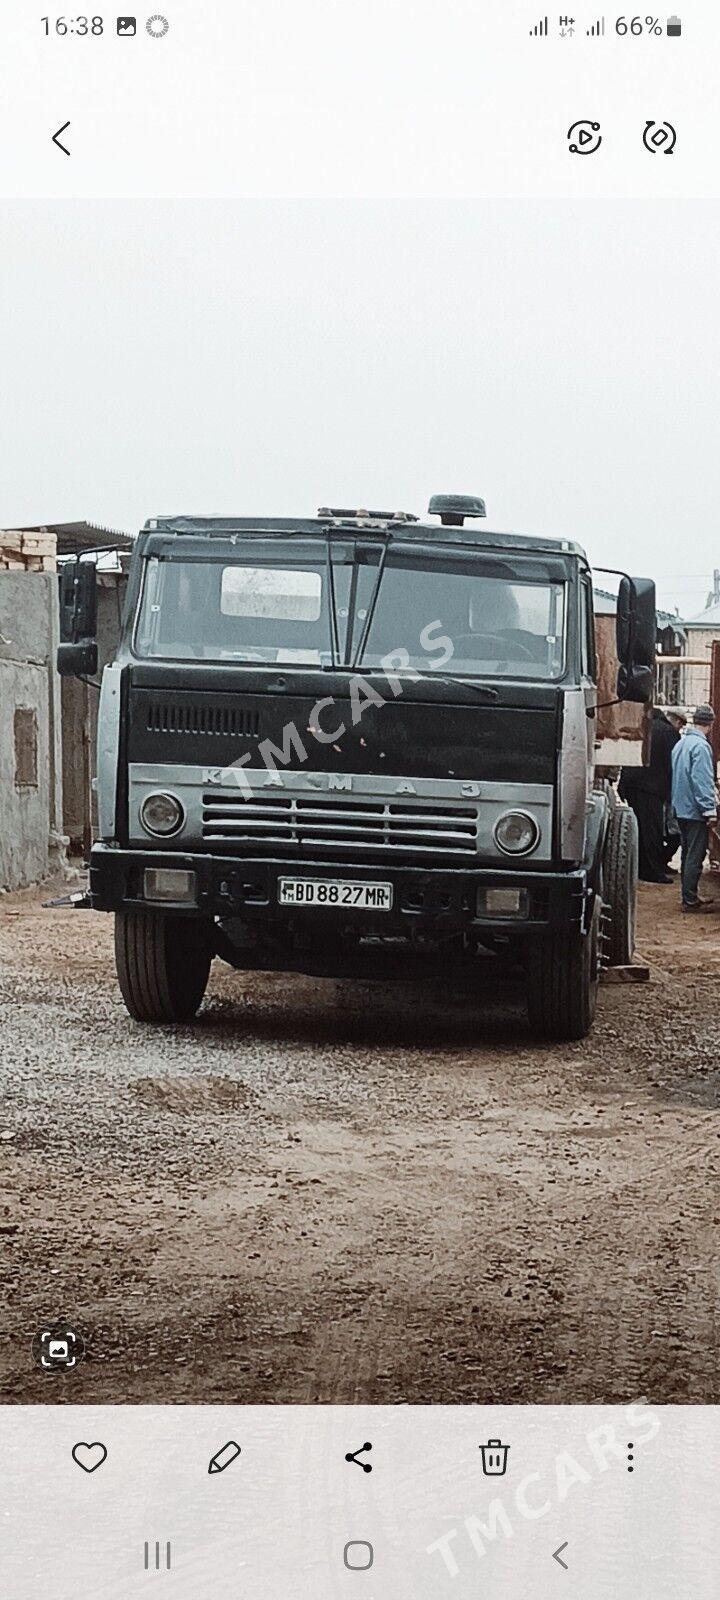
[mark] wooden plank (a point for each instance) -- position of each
(637, 973)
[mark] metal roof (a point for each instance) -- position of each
(709, 618)
(605, 605)
(73, 537)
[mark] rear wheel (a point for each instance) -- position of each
(563, 973)
(163, 964)
(620, 874)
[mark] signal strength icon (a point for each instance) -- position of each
(540, 31)
(597, 30)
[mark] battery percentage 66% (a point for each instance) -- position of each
(639, 25)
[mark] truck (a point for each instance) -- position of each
(361, 743)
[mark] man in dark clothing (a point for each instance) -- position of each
(647, 790)
(678, 721)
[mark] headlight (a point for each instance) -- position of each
(161, 814)
(516, 833)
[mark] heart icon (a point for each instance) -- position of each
(89, 1456)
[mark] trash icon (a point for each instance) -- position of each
(494, 1458)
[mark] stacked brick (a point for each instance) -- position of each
(27, 552)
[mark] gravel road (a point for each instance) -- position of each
(345, 1193)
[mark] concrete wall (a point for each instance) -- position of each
(31, 841)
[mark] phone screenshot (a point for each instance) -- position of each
(359, 808)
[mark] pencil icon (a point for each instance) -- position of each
(225, 1457)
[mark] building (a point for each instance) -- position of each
(31, 824)
(702, 631)
(45, 722)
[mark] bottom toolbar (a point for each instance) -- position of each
(370, 1503)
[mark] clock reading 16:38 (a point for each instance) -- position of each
(79, 25)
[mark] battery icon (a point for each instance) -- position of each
(674, 27)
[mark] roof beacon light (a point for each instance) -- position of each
(452, 509)
(355, 514)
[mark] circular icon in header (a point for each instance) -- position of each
(584, 138)
(157, 26)
(659, 137)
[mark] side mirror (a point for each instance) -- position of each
(636, 637)
(636, 685)
(78, 601)
(77, 660)
(77, 653)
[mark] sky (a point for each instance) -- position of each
(560, 358)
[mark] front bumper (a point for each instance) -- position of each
(442, 901)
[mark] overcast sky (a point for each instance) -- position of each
(561, 359)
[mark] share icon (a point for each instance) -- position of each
(352, 1455)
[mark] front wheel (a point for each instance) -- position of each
(563, 974)
(163, 964)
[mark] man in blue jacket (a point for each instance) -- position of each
(694, 802)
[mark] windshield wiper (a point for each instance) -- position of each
(362, 641)
(334, 641)
(482, 690)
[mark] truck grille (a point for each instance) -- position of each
(230, 721)
(317, 826)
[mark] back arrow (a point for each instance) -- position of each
(57, 140)
(557, 1556)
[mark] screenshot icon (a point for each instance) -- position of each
(127, 27)
(58, 1348)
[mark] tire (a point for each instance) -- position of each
(620, 873)
(563, 975)
(162, 963)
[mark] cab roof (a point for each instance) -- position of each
(401, 526)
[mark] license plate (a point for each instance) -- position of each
(341, 892)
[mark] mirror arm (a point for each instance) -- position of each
(614, 572)
(603, 706)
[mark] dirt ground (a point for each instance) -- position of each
(345, 1193)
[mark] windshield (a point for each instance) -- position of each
(497, 625)
(355, 607)
(274, 612)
